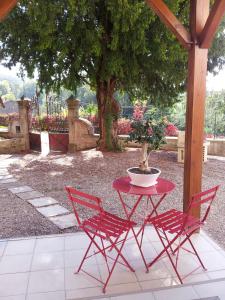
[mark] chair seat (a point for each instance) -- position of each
(105, 224)
(173, 222)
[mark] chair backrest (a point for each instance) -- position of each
(83, 199)
(205, 197)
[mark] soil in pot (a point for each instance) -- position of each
(138, 171)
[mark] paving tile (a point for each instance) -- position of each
(216, 274)
(46, 281)
(29, 195)
(76, 241)
(85, 292)
(78, 281)
(2, 187)
(203, 276)
(211, 289)
(141, 296)
(10, 180)
(184, 293)
(17, 297)
(170, 281)
(4, 171)
(21, 189)
(186, 264)
(157, 271)
(20, 247)
(133, 252)
(9, 185)
(42, 201)
(15, 264)
(213, 260)
(51, 244)
(2, 247)
(47, 261)
(13, 284)
(52, 210)
(102, 298)
(119, 275)
(152, 284)
(123, 288)
(47, 296)
(7, 176)
(64, 222)
(73, 259)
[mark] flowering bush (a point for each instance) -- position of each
(171, 130)
(55, 123)
(124, 126)
(150, 133)
(139, 111)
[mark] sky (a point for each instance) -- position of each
(214, 83)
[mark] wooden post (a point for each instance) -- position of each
(196, 92)
(203, 27)
(5, 7)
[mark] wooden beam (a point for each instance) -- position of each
(211, 26)
(196, 91)
(170, 20)
(5, 7)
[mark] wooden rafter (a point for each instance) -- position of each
(170, 20)
(211, 26)
(5, 7)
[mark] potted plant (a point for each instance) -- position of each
(150, 134)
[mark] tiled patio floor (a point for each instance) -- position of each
(42, 268)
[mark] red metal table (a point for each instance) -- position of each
(159, 190)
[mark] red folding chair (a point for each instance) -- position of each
(105, 230)
(175, 228)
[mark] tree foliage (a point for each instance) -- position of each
(112, 45)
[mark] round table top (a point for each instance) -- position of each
(163, 186)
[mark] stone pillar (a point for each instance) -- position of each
(24, 105)
(73, 114)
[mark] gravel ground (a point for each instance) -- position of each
(93, 171)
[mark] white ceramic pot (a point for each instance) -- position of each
(143, 180)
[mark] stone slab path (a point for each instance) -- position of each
(46, 206)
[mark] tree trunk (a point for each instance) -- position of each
(143, 166)
(108, 111)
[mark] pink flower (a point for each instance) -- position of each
(138, 113)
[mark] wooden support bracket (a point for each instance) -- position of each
(212, 23)
(170, 20)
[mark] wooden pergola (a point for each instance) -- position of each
(197, 41)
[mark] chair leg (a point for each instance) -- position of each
(86, 253)
(166, 247)
(119, 254)
(139, 247)
(196, 253)
(188, 238)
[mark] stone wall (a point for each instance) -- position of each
(16, 139)
(4, 134)
(12, 145)
(216, 147)
(171, 143)
(81, 132)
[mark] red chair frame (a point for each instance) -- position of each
(181, 226)
(104, 226)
